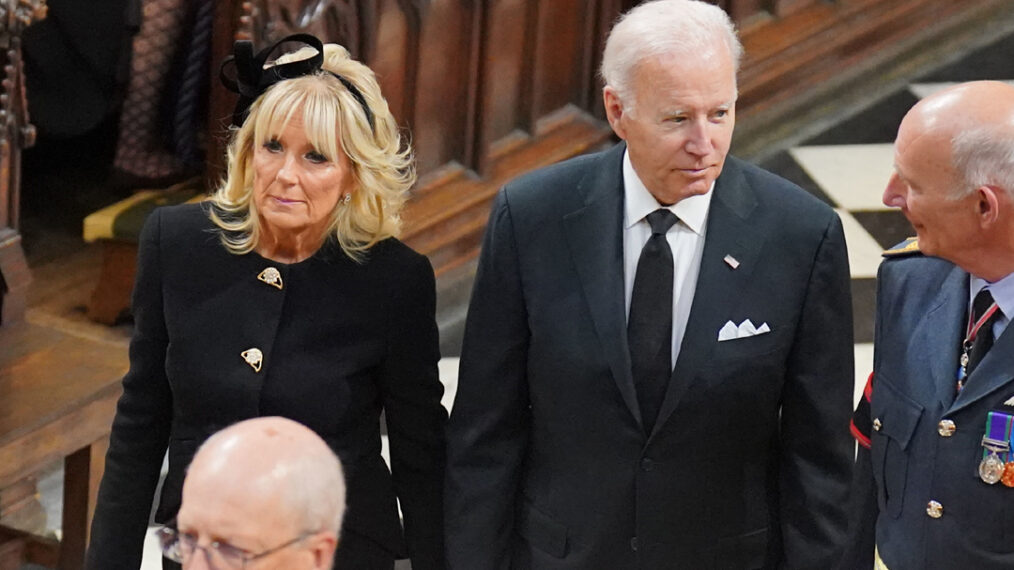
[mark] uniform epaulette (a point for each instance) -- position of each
(907, 247)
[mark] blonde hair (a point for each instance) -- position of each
(382, 164)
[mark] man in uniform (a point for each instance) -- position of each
(657, 363)
(934, 480)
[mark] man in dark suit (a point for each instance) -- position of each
(933, 473)
(641, 392)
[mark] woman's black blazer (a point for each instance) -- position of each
(340, 341)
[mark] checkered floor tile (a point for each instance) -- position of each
(848, 167)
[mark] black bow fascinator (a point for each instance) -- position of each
(251, 79)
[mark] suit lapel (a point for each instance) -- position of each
(730, 232)
(595, 238)
(932, 338)
(995, 371)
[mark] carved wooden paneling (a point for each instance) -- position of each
(792, 59)
(492, 88)
(743, 11)
(560, 58)
(448, 49)
(783, 8)
(16, 134)
(506, 73)
(396, 64)
(347, 22)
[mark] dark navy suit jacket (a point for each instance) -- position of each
(748, 463)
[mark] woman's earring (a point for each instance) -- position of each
(347, 198)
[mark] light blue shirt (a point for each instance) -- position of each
(1003, 294)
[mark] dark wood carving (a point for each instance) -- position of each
(16, 133)
(492, 88)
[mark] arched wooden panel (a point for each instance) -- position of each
(559, 55)
(395, 55)
(446, 58)
(506, 75)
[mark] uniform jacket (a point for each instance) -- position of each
(340, 342)
(922, 307)
(747, 465)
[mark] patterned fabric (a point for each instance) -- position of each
(140, 149)
(193, 85)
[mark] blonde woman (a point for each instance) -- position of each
(287, 294)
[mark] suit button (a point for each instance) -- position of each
(946, 428)
(876, 424)
(633, 544)
(934, 509)
(647, 464)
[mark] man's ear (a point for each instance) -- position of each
(322, 546)
(614, 110)
(989, 201)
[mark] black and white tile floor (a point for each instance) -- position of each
(849, 164)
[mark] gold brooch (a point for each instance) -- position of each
(272, 277)
(253, 357)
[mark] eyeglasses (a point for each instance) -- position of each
(181, 547)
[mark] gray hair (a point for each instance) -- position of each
(664, 27)
(984, 156)
(316, 490)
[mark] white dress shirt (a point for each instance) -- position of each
(686, 239)
(1003, 294)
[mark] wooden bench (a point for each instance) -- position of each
(116, 228)
(58, 396)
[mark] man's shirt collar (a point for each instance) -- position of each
(638, 202)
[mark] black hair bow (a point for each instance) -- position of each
(252, 79)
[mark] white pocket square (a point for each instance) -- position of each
(745, 329)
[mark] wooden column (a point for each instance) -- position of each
(16, 133)
(82, 474)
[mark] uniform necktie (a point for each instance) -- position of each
(649, 325)
(983, 339)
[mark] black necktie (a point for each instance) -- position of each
(649, 326)
(984, 336)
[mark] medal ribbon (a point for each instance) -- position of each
(966, 345)
(998, 429)
(973, 328)
(1010, 439)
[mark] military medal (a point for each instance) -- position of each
(966, 345)
(991, 468)
(1008, 470)
(1008, 474)
(996, 447)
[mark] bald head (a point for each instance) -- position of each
(954, 176)
(972, 126)
(263, 482)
